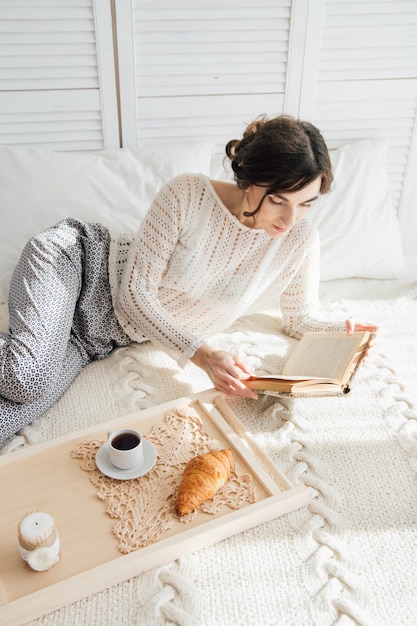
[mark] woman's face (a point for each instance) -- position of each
(279, 212)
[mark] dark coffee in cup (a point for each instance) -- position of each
(125, 441)
(125, 448)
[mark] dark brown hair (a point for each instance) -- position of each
(282, 154)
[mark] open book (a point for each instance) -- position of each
(322, 363)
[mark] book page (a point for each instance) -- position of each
(328, 355)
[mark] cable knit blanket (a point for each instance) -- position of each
(346, 558)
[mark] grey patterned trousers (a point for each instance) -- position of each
(61, 318)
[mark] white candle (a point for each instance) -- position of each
(38, 541)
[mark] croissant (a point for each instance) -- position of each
(203, 476)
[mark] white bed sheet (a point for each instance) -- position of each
(346, 558)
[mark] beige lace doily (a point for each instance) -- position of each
(144, 506)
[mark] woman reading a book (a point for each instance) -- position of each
(205, 252)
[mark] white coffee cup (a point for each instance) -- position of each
(125, 448)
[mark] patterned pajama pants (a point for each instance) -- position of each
(61, 318)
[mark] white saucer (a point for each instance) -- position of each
(106, 466)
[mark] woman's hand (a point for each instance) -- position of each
(225, 371)
(354, 327)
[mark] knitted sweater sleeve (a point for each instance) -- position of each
(299, 302)
(149, 257)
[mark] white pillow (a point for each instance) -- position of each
(113, 187)
(359, 230)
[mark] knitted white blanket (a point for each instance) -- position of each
(346, 558)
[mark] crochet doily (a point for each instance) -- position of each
(144, 506)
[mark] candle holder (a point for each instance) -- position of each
(38, 541)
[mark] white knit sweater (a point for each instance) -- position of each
(193, 269)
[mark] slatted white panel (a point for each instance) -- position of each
(349, 110)
(198, 118)
(363, 83)
(371, 39)
(200, 68)
(57, 78)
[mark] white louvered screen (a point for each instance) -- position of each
(363, 83)
(57, 77)
(368, 40)
(201, 70)
(346, 111)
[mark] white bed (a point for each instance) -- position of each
(349, 556)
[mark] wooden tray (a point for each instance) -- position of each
(45, 477)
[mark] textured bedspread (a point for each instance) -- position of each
(349, 557)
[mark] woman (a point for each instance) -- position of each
(205, 252)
